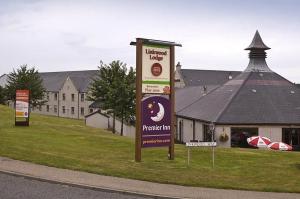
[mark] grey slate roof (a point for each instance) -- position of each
(95, 104)
(210, 106)
(195, 81)
(194, 77)
(253, 97)
(96, 112)
(188, 95)
(264, 99)
(53, 81)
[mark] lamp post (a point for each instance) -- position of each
(212, 131)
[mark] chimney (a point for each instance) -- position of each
(178, 66)
(257, 55)
(204, 90)
(229, 76)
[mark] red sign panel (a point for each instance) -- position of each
(22, 103)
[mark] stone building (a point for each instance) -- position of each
(257, 101)
(66, 94)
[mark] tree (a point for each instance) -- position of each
(2, 95)
(113, 90)
(126, 103)
(27, 79)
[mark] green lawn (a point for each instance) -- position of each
(67, 143)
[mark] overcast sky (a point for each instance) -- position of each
(58, 35)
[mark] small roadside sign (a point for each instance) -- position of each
(198, 144)
(201, 144)
(22, 108)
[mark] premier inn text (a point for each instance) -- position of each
(156, 128)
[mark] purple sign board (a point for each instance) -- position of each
(156, 122)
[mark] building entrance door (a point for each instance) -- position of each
(291, 136)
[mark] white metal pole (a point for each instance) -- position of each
(188, 156)
(213, 158)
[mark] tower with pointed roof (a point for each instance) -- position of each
(257, 55)
(258, 99)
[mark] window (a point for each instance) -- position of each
(55, 108)
(291, 136)
(72, 110)
(73, 97)
(64, 109)
(40, 108)
(91, 110)
(81, 111)
(194, 130)
(47, 108)
(239, 136)
(206, 133)
(48, 96)
(55, 96)
(64, 96)
(179, 135)
(82, 97)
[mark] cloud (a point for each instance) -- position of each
(69, 35)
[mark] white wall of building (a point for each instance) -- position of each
(274, 133)
(128, 130)
(198, 130)
(219, 130)
(97, 120)
(187, 128)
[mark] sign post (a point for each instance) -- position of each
(212, 144)
(22, 108)
(155, 117)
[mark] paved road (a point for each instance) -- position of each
(15, 187)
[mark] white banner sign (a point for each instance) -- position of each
(156, 69)
(196, 144)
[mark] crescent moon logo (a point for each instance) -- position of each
(160, 114)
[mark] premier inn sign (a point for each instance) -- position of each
(155, 99)
(156, 122)
(156, 69)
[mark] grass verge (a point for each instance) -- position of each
(67, 143)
